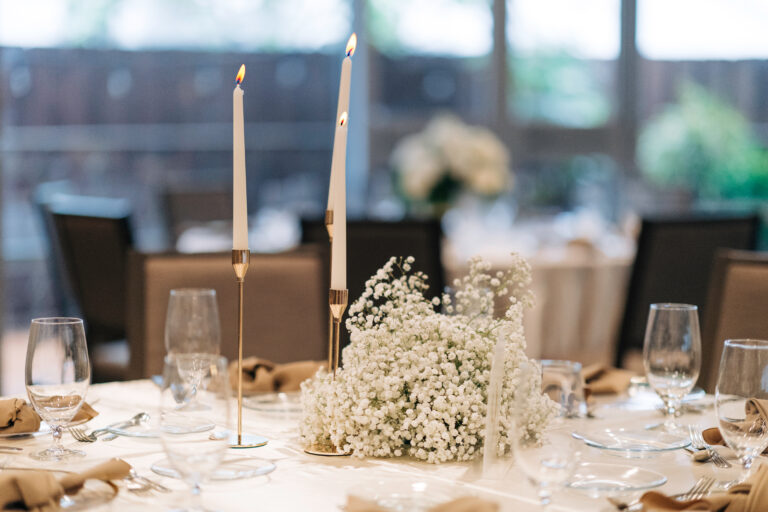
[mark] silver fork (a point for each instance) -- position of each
(698, 490)
(698, 442)
(80, 434)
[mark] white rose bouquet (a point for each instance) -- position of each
(448, 156)
(415, 380)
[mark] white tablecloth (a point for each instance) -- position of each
(303, 482)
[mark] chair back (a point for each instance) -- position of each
(94, 236)
(185, 208)
(673, 263)
(285, 308)
(738, 302)
(371, 243)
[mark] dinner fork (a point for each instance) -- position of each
(80, 434)
(698, 442)
(698, 490)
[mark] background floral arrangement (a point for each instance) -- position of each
(448, 156)
(415, 380)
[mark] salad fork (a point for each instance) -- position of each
(698, 442)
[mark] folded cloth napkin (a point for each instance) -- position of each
(261, 375)
(755, 419)
(18, 417)
(465, 504)
(600, 379)
(40, 490)
(748, 496)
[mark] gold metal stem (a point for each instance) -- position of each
(241, 258)
(337, 302)
(329, 228)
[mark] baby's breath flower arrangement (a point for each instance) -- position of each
(416, 372)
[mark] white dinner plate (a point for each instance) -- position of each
(276, 403)
(233, 469)
(93, 493)
(405, 495)
(633, 440)
(599, 479)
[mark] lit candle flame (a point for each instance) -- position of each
(351, 44)
(240, 75)
(343, 119)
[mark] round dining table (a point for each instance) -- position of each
(303, 482)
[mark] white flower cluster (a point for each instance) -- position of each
(471, 156)
(415, 380)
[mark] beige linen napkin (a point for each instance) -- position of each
(756, 417)
(40, 491)
(261, 375)
(600, 379)
(749, 496)
(18, 417)
(465, 504)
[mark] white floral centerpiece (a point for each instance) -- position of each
(449, 156)
(414, 379)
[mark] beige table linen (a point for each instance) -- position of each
(465, 504)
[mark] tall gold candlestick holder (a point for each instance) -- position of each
(329, 228)
(241, 258)
(337, 303)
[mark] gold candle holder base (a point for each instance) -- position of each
(241, 258)
(337, 302)
(325, 452)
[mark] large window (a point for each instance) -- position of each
(562, 57)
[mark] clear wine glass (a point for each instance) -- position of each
(550, 459)
(196, 452)
(57, 376)
(192, 327)
(741, 397)
(672, 355)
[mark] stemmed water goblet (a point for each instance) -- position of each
(741, 397)
(57, 376)
(195, 453)
(550, 459)
(672, 356)
(192, 329)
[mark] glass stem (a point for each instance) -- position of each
(56, 431)
(195, 498)
(545, 498)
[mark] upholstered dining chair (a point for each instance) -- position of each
(93, 237)
(184, 208)
(738, 307)
(673, 263)
(285, 308)
(371, 243)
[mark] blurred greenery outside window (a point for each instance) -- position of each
(562, 61)
(699, 130)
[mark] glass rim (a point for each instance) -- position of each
(674, 306)
(57, 320)
(748, 343)
(565, 363)
(193, 291)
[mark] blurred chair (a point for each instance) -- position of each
(673, 263)
(93, 237)
(285, 309)
(371, 243)
(738, 295)
(185, 208)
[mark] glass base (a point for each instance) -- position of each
(55, 453)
